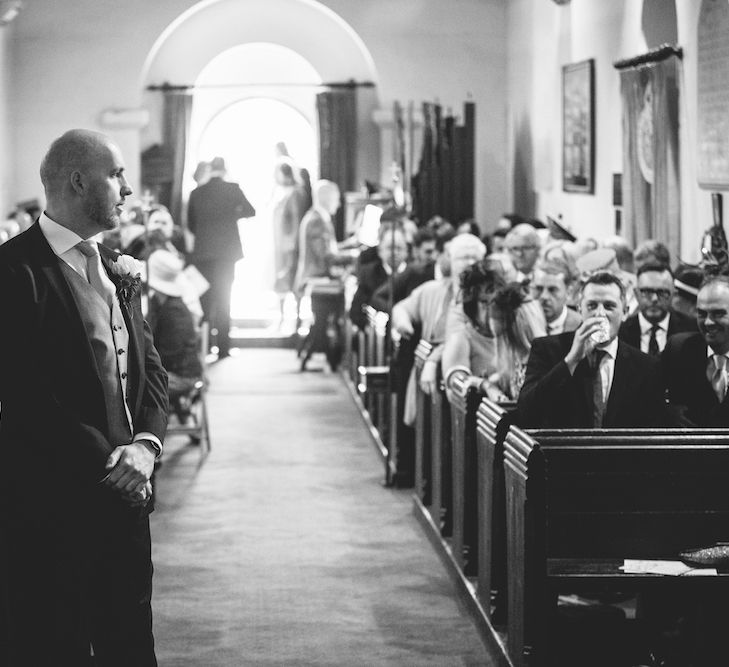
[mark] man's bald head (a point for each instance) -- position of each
(83, 176)
(76, 150)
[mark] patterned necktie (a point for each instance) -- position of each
(716, 373)
(653, 342)
(598, 400)
(93, 268)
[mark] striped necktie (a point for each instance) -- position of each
(93, 269)
(716, 373)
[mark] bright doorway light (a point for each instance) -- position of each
(248, 99)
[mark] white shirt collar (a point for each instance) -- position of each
(646, 326)
(611, 349)
(60, 238)
(400, 268)
(558, 322)
(710, 353)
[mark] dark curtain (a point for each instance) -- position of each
(337, 110)
(177, 112)
(444, 184)
(651, 200)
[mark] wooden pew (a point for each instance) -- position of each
(441, 507)
(492, 425)
(463, 406)
(580, 502)
(423, 433)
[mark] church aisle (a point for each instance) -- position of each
(284, 548)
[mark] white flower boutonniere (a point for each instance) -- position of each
(126, 273)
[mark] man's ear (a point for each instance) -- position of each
(77, 182)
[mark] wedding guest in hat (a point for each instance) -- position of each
(173, 324)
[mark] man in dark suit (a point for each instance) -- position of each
(587, 378)
(655, 322)
(212, 216)
(392, 252)
(84, 411)
(695, 364)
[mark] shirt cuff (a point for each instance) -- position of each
(152, 439)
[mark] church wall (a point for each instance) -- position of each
(76, 58)
(7, 167)
(542, 37)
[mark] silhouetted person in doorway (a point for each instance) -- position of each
(213, 213)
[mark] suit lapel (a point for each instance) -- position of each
(48, 263)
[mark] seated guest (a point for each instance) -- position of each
(160, 233)
(695, 364)
(495, 311)
(427, 309)
(469, 227)
(496, 241)
(173, 327)
(623, 252)
(427, 249)
(655, 321)
(588, 378)
(551, 288)
(651, 251)
(687, 280)
(392, 252)
(424, 247)
(523, 244)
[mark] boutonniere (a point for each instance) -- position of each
(126, 273)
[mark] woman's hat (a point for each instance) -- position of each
(165, 273)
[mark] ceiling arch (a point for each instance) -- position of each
(314, 31)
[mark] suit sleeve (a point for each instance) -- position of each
(244, 208)
(544, 384)
(152, 414)
(360, 298)
(192, 213)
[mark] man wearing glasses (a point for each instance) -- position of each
(649, 328)
(522, 244)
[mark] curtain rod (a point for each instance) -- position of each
(168, 87)
(655, 55)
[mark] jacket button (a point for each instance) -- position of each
(120, 351)
(123, 376)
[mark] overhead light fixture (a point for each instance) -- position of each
(9, 9)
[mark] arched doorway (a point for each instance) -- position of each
(244, 51)
(245, 134)
(246, 100)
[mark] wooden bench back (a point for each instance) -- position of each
(626, 494)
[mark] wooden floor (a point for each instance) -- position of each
(283, 547)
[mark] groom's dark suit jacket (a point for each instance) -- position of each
(58, 522)
(552, 398)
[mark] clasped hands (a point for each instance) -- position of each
(131, 467)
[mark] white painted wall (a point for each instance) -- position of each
(7, 161)
(542, 37)
(75, 58)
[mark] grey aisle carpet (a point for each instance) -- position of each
(283, 547)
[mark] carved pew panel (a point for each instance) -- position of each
(492, 424)
(423, 432)
(580, 502)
